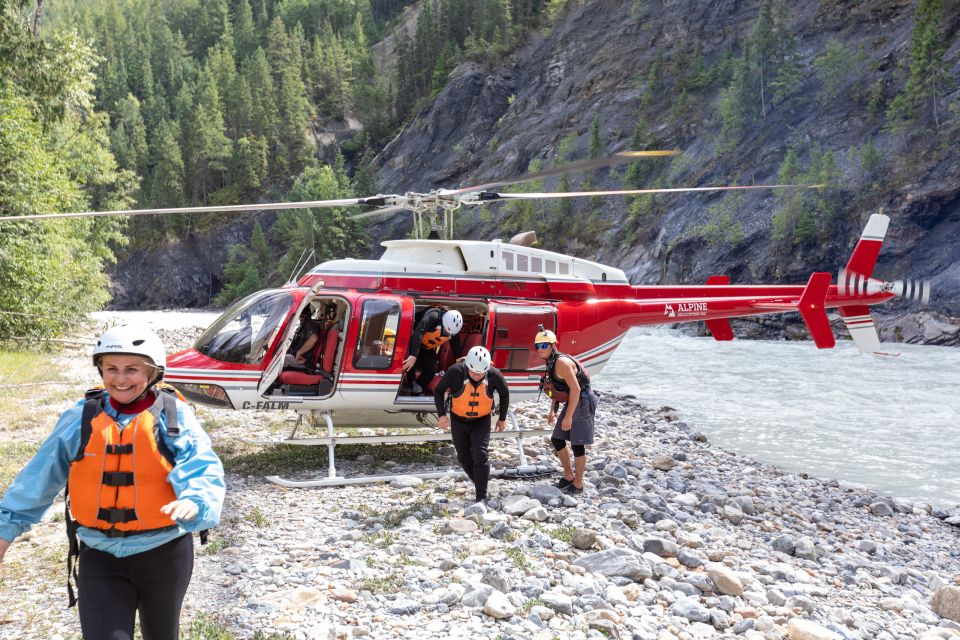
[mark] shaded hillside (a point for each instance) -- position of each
(600, 61)
(751, 94)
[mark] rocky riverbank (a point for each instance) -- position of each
(672, 538)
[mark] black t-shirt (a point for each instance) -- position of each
(306, 329)
(457, 376)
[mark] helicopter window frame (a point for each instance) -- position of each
(550, 266)
(536, 264)
(523, 261)
(372, 334)
(564, 268)
(236, 337)
(508, 260)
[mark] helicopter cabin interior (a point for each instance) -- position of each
(316, 376)
(475, 316)
(376, 345)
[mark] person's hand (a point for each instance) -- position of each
(551, 417)
(300, 359)
(184, 510)
(409, 362)
(567, 423)
(501, 425)
(4, 545)
(444, 423)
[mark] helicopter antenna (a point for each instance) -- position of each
(301, 263)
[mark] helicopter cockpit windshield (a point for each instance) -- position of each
(246, 330)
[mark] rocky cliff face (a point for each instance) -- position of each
(492, 121)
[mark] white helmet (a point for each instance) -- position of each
(478, 360)
(134, 341)
(452, 322)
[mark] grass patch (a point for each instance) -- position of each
(251, 459)
(386, 583)
(393, 518)
(563, 534)
(26, 367)
(256, 517)
(215, 545)
(13, 457)
(530, 604)
(379, 539)
(208, 627)
(517, 557)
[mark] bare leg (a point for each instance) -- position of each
(564, 456)
(581, 463)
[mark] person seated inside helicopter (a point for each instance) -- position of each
(384, 346)
(436, 326)
(389, 342)
(304, 340)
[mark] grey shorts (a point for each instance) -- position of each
(581, 432)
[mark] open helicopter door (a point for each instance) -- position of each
(515, 325)
(272, 371)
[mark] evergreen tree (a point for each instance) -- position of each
(167, 167)
(129, 137)
(248, 269)
(211, 148)
(327, 233)
(928, 75)
(244, 32)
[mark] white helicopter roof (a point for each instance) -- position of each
(475, 258)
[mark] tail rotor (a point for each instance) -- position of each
(851, 283)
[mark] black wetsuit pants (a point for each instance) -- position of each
(471, 440)
(111, 591)
(428, 363)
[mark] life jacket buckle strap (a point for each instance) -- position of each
(119, 449)
(117, 478)
(117, 516)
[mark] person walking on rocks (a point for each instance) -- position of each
(466, 391)
(569, 385)
(140, 476)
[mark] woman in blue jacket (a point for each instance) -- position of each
(129, 523)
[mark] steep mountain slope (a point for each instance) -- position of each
(608, 76)
(596, 62)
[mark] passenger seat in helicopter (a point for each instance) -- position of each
(318, 380)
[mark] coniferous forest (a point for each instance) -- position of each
(111, 104)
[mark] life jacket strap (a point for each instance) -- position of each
(119, 449)
(118, 478)
(117, 516)
(117, 533)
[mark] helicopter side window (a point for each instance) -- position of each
(378, 334)
(245, 331)
(508, 260)
(521, 262)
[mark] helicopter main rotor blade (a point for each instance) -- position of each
(378, 212)
(314, 204)
(580, 165)
(487, 196)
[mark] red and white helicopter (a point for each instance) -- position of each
(504, 290)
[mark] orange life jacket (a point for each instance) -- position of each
(118, 482)
(433, 339)
(473, 400)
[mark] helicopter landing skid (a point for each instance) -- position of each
(523, 470)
